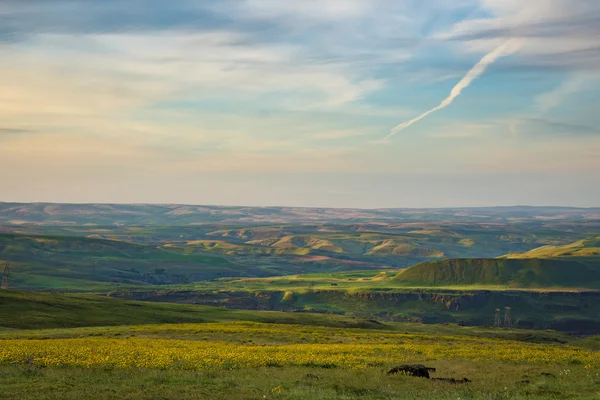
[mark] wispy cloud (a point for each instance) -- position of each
(551, 99)
(12, 131)
(503, 50)
(554, 33)
(552, 127)
(186, 88)
(306, 9)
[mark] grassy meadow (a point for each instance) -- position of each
(248, 360)
(239, 354)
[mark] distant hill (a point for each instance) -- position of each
(58, 214)
(583, 248)
(361, 245)
(81, 263)
(573, 265)
(46, 262)
(525, 273)
(263, 241)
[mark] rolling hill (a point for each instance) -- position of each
(39, 262)
(383, 246)
(576, 265)
(586, 248)
(74, 263)
(263, 241)
(58, 214)
(516, 273)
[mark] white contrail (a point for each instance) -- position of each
(503, 50)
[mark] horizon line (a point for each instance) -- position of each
(288, 206)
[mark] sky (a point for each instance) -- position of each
(329, 103)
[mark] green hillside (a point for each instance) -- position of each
(26, 310)
(282, 241)
(575, 265)
(342, 246)
(525, 273)
(75, 262)
(583, 248)
(34, 311)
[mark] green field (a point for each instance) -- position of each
(284, 356)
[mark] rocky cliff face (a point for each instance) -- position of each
(576, 312)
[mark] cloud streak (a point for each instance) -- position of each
(10, 131)
(505, 49)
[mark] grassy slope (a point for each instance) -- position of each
(47, 262)
(502, 272)
(572, 311)
(39, 262)
(42, 313)
(26, 310)
(575, 265)
(323, 246)
(586, 248)
(385, 245)
(491, 378)
(76, 263)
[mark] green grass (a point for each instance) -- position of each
(240, 328)
(24, 310)
(54, 262)
(586, 248)
(437, 292)
(71, 262)
(520, 273)
(87, 257)
(490, 381)
(574, 310)
(575, 265)
(63, 315)
(77, 256)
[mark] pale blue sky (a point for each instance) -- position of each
(294, 102)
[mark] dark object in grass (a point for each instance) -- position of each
(312, 376)
(452, 380)
(548, 374)
(421, 371)
(417, 370)
(525, 381)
